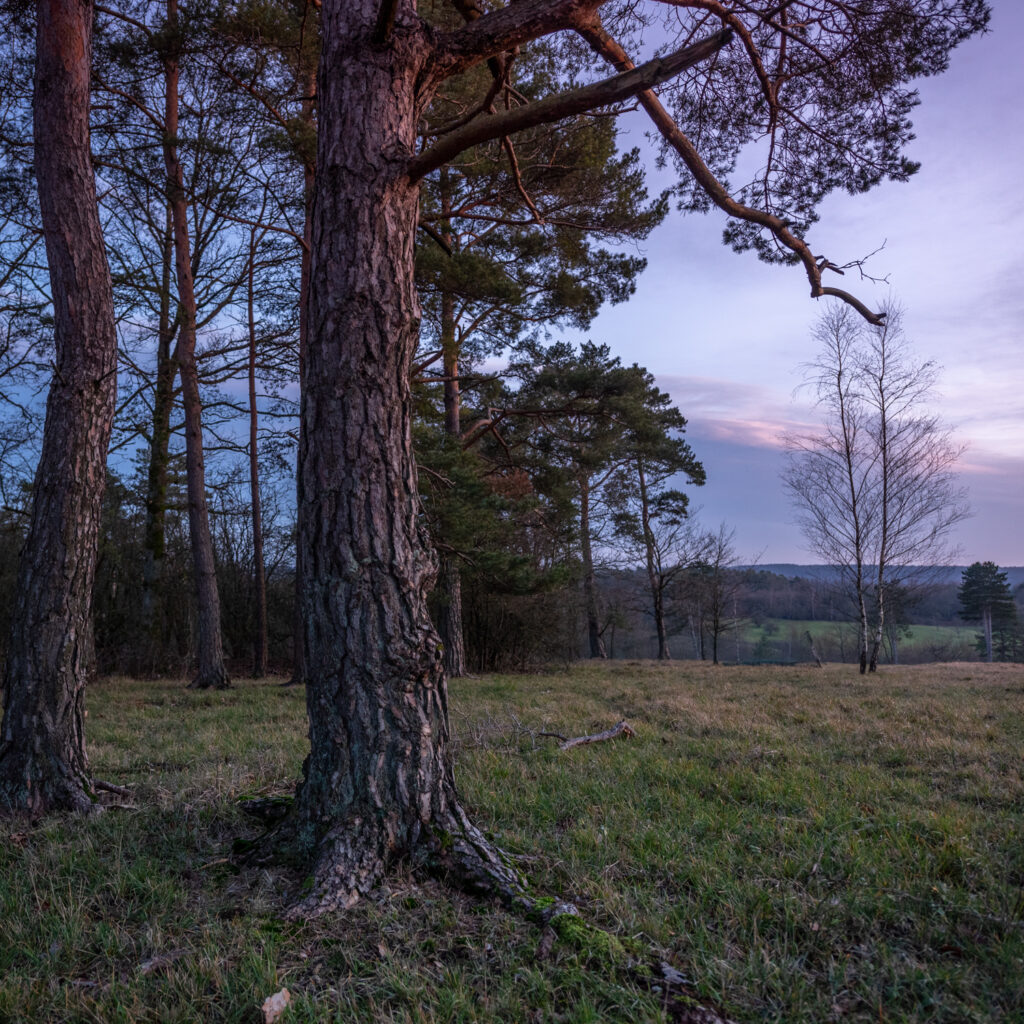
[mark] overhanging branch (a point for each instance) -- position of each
(590, 28)
(638, 80)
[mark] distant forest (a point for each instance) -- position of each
(772, 609)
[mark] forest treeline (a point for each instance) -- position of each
(550, 476)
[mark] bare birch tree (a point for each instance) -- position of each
(876, 490)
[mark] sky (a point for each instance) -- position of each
(726, 335)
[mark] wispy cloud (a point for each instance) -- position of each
(743, 414)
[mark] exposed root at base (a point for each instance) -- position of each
(351, 865)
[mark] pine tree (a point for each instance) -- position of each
(985, 596)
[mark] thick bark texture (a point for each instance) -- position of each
(378, 783)
(43, 763)
(210, 646)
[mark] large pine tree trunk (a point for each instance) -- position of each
(43, 763)
(210, 670)
(378, 784)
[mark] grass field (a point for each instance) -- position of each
(806, 846)
(785, 639)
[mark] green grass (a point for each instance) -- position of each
(805, 845)
(785, 639)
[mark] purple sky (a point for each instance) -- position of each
(725, 334)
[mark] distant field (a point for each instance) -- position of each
(838, 641)
(805, 845)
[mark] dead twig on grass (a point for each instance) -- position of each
(620, 729)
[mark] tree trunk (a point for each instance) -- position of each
(43, 765)
(862, 633)
(450, 619)
(876, 643)
(589, 581)
(211, 671)
(450, 580)
(154, 542)
(260, 653)
(986, 625)
(309, 184)
(378, 784)
(653, 577)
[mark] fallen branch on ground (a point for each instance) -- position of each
(620, 729)
(109, 787)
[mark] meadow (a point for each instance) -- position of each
(802, 845)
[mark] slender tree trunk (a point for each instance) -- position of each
(378, 784)
(862, 635)
(653, 577)
(154, 541)
(43, 764)
(986, 625)
(589, 580)
(449, 624)
(876, 644)
(211, 671)
(308, 83)
(260, 653)
(450, 580)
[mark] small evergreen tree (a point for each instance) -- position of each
(985, 597)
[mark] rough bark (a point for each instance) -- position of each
(597, 649)
(260, 644)
(210, 671)
(378, 784)
(43, 764)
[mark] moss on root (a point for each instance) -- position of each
(592, 942)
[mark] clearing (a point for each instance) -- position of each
(805, 845)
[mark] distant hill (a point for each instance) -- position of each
(949, 574)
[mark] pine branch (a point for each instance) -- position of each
(567, 104)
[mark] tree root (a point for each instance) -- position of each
(352, 862)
